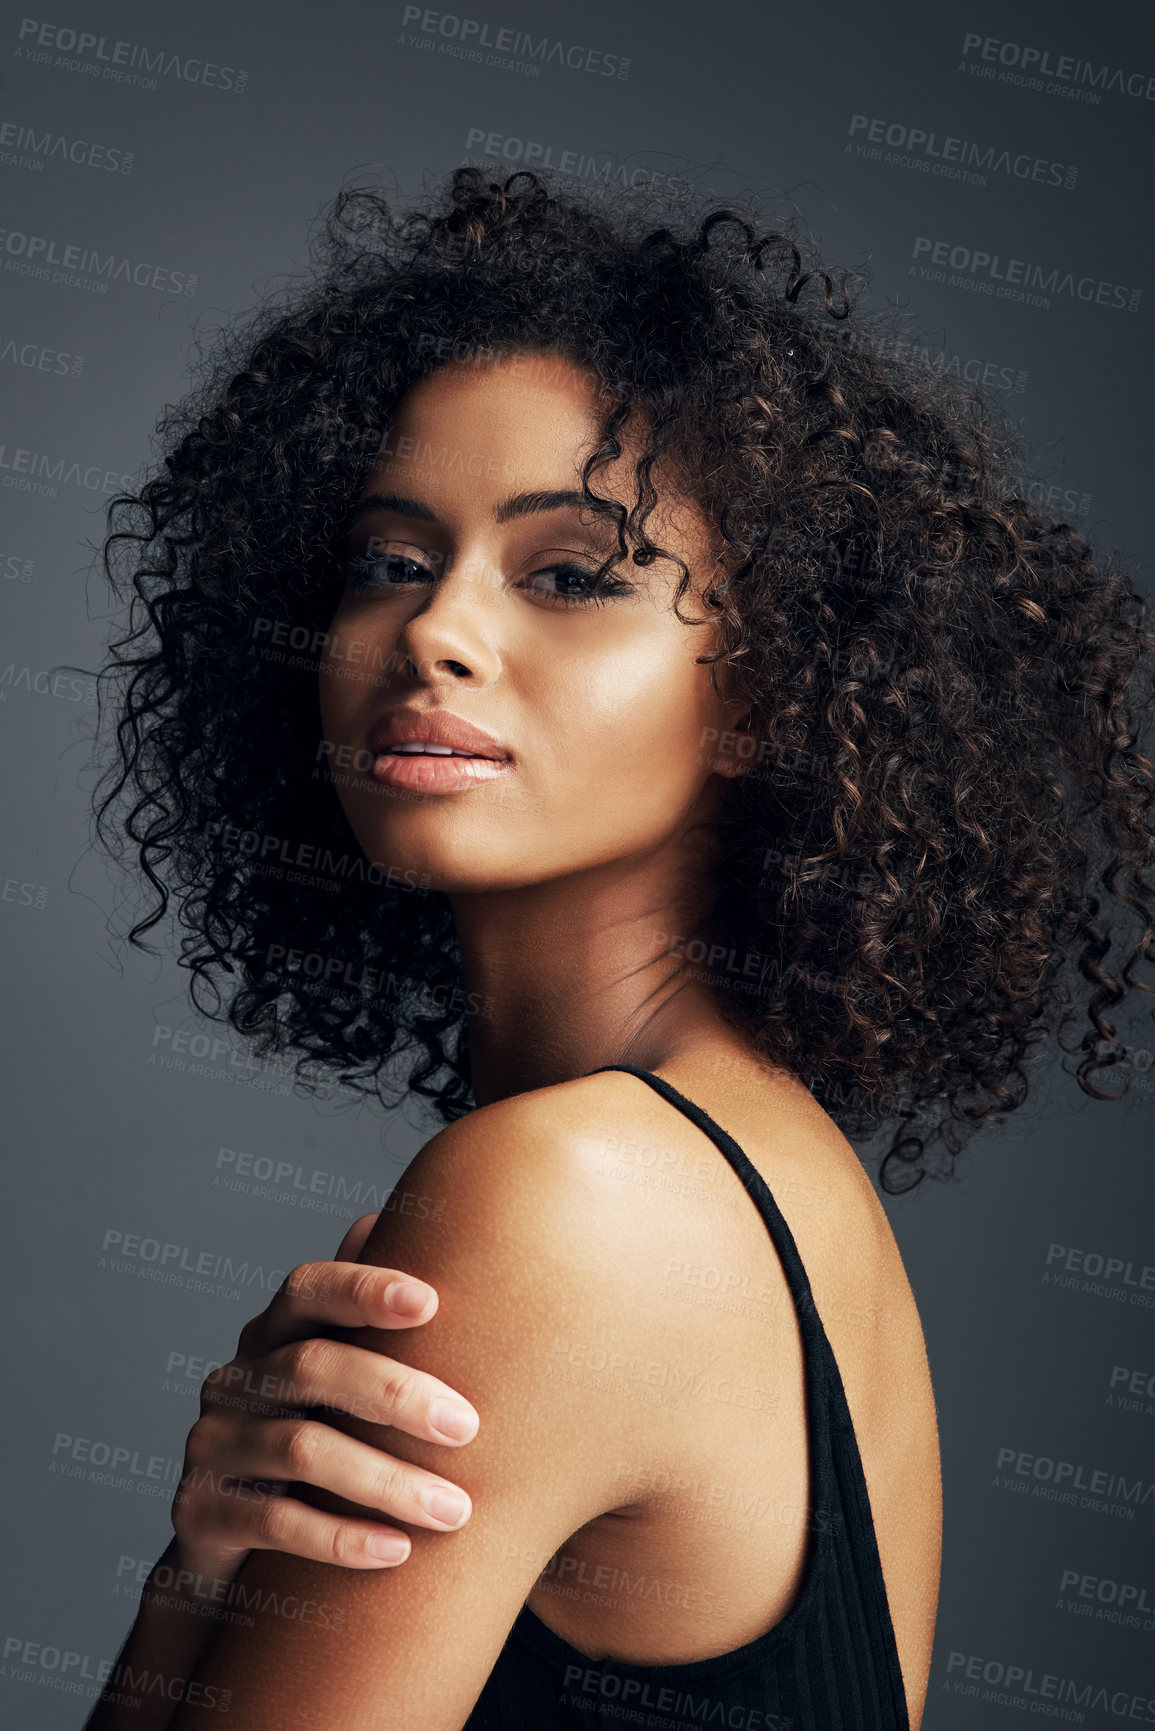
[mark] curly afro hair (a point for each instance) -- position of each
(947, 688)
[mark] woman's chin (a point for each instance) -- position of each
(437, 863)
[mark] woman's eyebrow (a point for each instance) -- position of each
(520, 505)
(394, 502)
(531, 504)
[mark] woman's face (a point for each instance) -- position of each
(463, 604)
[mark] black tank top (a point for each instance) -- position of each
(831, 1664)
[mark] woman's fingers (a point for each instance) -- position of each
(353, 1242)
(269, 1520)
(304, 1532)
(332, 1373)
(319, 1295)
(261, 1459)
(254, 1437)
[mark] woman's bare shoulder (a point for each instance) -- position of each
(609, 1175)
(595, 1177)
(552, 1275)
(607, 1137)
(546, 1146)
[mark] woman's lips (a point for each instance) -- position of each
(426, 772)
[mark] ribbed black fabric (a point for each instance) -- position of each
(830, 1664)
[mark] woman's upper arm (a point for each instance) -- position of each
(497, 1215)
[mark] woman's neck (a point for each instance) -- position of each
(565, 976)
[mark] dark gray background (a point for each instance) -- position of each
(106, 1136)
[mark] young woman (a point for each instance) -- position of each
(687, 747)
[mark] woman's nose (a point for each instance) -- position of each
(454, 631)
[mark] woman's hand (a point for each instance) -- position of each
(255, 1435)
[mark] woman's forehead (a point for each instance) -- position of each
(508, 386)
(527, 421)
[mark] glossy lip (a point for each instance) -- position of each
(408, 725)
(436, 774)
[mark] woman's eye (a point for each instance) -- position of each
(559, 585)
(573, 583)
(384, 570)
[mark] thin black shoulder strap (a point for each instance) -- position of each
(810, 1323)
(839, 1499)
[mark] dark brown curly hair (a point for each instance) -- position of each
(947, 688)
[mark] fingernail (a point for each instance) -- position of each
(448, 1506)
(454, 1419)
(388, 1547)
(407, 1297)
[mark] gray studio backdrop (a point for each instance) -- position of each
(162, 166)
